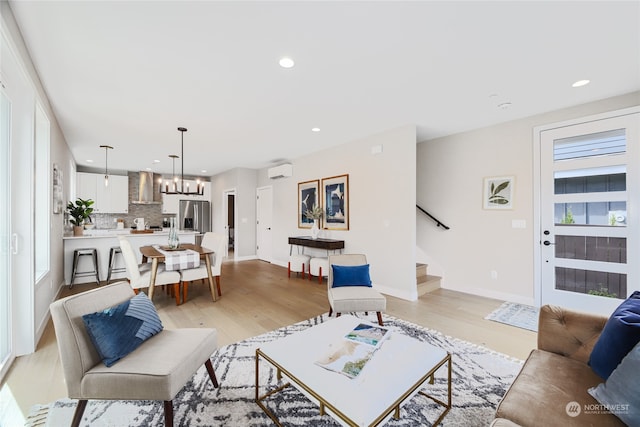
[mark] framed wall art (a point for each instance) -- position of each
(308, 199)
(498, 192)
(57, 189)
(335, 199)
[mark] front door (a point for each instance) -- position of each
(589, 213)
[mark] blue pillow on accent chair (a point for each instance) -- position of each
(117, 331)
(620, 334)
(351, 275)
(620, 392)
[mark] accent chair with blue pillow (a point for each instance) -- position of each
(112, 347)
(349, 286)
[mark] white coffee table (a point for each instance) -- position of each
(397, 371)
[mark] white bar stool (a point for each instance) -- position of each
(319, 267)
(298, 264)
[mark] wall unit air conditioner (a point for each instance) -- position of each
(281, 171)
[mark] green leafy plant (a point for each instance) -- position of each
(603, 292)
(80, 211)
(314, 213)
(568, 218)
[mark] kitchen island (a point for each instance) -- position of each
(103, 241)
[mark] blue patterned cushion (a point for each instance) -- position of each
(117, 331)
(620, 392)
(350, 275)
(620, 334)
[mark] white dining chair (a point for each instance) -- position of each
(139, 276)
(216, 242)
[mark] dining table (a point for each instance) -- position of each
(152, 253)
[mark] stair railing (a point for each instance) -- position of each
(438, 222)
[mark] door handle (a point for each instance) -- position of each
(14, 244)
(547, 243)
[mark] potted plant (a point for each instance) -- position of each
(80, 211)
(314, 213)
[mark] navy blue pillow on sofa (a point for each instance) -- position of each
(351, 275)
(117, 331)
(620, 334)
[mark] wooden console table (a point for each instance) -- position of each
(306, 241)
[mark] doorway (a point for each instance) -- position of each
(229, 213)
(588, 230)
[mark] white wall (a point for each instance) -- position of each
(381, 203)
(449, 181)
(33, 301)
(243, 181)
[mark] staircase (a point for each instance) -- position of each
(425, 282)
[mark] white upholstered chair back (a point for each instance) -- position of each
(344, 259)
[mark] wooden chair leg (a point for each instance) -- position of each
(176, 290)
(303, 270)
(168, 413)
(218, 285)
(185, 287)
(380, 319)
(77, 416)
(320, 275)
(289, 269)
(338, 314)
(330, 311)
(212, 373)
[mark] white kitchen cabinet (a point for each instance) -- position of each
(111, 199)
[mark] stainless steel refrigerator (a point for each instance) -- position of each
(195, 215)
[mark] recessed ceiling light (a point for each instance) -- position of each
(315, 129)
(148, 169)
(580, 83)
(203, 171)
(504, 105)
(156, 161)
(89, 161)
(286, 62)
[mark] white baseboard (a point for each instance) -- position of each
(502, 296)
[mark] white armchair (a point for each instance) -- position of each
(156, 370)
(347, 299)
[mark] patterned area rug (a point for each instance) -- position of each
(519, 315)
(480, 378)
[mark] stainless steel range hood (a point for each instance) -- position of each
(145, 190)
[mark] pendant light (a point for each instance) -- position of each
(181, 189)
(106, 164)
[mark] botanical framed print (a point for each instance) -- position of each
(335, 199)
(308, 199)
(57, 189)
(498, 192)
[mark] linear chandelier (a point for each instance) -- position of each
(182, 188)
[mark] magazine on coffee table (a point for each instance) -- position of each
(368, 334)
(350, 355)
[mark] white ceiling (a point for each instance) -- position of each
(127, 74)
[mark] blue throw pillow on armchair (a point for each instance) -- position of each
(620, 334)
(350, 275)
(117, 331)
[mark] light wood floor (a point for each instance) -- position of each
(258, 297)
